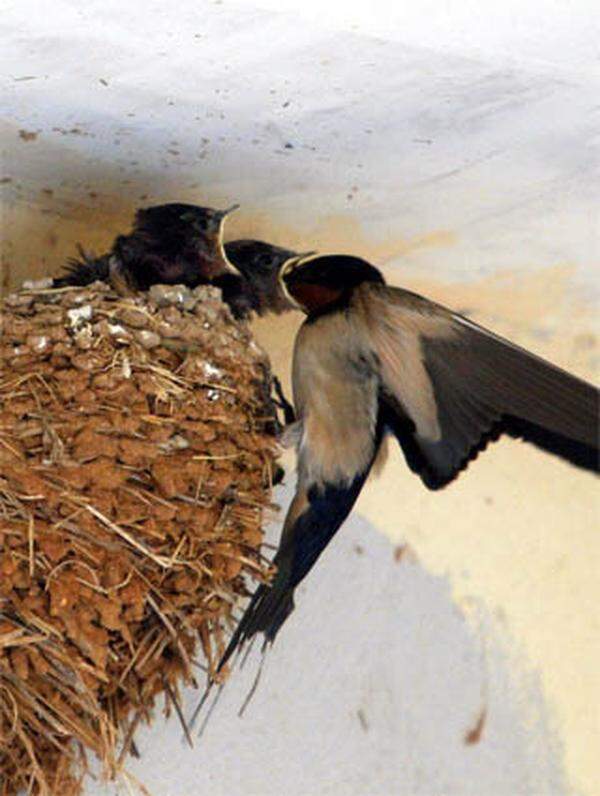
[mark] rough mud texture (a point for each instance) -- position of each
(136, 452)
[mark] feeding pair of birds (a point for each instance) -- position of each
(370, 361)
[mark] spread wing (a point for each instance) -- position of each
(449, 386)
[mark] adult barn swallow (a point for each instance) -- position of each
(372, 360)
(169, 244)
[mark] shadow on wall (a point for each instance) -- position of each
(377, 684)
(42, 218)
(61, 198)
(57, 198)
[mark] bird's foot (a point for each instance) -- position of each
(281, 402)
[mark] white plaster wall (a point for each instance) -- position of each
(372, 688)
(456, 144)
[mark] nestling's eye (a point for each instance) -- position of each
(194, 220)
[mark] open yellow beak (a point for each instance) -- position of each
(298, 259)
(223, 213)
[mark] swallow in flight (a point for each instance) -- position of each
(372, 361)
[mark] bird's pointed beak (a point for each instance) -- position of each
(298, 259)
(223, 213)
(288, 267)
(220, 216)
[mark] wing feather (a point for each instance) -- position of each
(450, 386)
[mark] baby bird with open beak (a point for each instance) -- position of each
(256, 288)
(169, 244)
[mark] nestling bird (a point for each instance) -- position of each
(183, 244)
(371, 361)
(169, 244)
(258, 288)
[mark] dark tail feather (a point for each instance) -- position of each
(84, 270)
(304, 538)
(254, 686)
(257, 618)
(200, 706)
(268, 609)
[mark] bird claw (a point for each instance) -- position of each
(281, 402)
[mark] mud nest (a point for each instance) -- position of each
(136, 452)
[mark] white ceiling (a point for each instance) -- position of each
(478, 119)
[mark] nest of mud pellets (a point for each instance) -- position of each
(136, 451)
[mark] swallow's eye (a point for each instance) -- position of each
(195, 220)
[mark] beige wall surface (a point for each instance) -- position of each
(461, 157)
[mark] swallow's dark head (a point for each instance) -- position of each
(256, 259)
(174, 243)
(259, 265)
(320, 283)
(177, 224)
